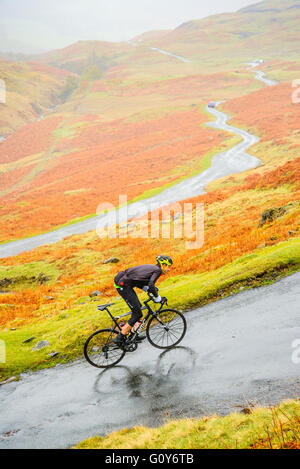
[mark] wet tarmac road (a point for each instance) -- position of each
(260, 75)
(236, 350)
(179, 57)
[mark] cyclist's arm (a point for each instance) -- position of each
(151, 283)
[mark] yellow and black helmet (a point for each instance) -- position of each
(164, 260)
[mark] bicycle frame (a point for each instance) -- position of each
(145, 319)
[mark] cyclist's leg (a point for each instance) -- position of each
(131, 298)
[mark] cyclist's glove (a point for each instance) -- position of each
(157, 299)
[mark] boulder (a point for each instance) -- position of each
(270, 215)
(28, 340)
(111, 260)
(94, 293)
(41, 344)
(42, 278)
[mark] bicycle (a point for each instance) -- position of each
(165, 329)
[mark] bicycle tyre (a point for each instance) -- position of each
(100, 339)
(175, 333)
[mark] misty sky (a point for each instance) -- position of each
(37, 25)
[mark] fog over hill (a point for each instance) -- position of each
(37, 26)
(270, 27)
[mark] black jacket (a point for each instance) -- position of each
(139, 276)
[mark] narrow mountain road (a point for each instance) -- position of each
(260, 75)
(179, 57)
(237, 352)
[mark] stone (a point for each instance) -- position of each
(94, 293)
(246, 410)
(9, 434)
(9, 380)
(28, 340)
(41, 344)
(111, 260)
(270, 215)
(53, 354)
(292, 233)
(42, 278)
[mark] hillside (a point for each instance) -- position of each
(218, 42)
(31, 89)
(120, 104)
(270, 27)
(76, 156)
(81, 54)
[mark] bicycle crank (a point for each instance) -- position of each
(131, 347)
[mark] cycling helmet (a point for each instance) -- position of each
(164, 260)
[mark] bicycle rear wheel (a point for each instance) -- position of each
(167, 329)
(100, 350)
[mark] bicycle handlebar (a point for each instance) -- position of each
(151, 298)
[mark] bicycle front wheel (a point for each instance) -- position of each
(166, 329)
(100, 350)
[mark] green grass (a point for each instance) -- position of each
(29, 273)
(68, 331)
(276, 427)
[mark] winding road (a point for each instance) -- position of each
(179, 57)
(223, 164)
(260, 75)
(237, 352)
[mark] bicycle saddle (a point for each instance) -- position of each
(102, 307)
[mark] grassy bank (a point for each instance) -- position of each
(68, 330)
(263, 428)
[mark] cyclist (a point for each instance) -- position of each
(143, 277)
